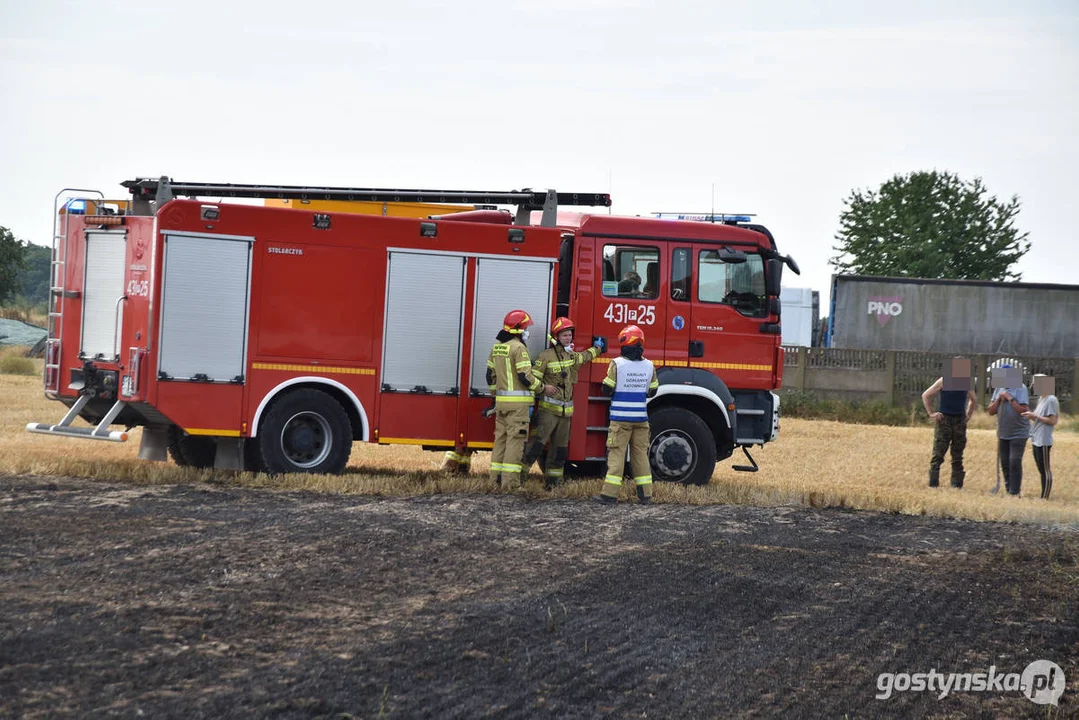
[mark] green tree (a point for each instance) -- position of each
(929, 225)
(34, 278)
(12, 261)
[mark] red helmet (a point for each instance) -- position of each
(516, 321)
(631, 335)
(560, 324)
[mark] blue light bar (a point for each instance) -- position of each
(76, 207)
(704, 217)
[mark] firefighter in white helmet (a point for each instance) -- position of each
(510, 379)
(630, 381)
(557, 367)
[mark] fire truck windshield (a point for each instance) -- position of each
(741, 286)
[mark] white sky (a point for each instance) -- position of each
(784, 106)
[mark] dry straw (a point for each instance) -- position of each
(814, 463)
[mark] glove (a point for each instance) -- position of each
(601, 343)
(488, 411)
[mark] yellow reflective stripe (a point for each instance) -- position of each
(523, 365)
(509, 373)
(613, 480)
(458, 458)
(312, 368)
(211, 431)
(729, 366)
(609, 381)
(653, 385)
(643, 480)
(491, 364)
(555, 473)
(511, 467)
(497, 467)
(500, 399)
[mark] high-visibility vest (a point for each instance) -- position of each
(632, 382)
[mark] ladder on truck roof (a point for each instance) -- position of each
(161, 190)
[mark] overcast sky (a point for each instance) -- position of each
(784, 106)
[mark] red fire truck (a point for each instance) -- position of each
(265, 338)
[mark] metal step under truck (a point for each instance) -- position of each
(271, 338)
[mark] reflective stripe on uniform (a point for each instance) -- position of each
(503, 397)
(511, 467)
(560, 410)
(613, 480)
(497, 467)
(643, 480)
(458, 458)
(554, 472)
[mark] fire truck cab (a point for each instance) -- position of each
(271, 338)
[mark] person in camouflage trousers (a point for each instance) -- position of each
(957, 403)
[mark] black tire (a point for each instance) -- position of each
(682, 448)
(186, 450)
(305, 431)
(252, 456)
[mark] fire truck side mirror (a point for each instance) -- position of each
(773, 278)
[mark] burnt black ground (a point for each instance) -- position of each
(213, 601)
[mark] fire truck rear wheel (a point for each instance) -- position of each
(305, 431)
(682, 448)
(191, 450)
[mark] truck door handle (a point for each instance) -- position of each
(696, 348)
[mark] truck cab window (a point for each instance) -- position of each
(631, 271)
(739, 285)
(681, 274)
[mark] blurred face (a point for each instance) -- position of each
(956, 374)
(1044, 385)
(1006, 378)
(565, 337)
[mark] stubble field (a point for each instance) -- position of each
(814, 463)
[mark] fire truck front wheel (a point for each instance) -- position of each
(682, 448)
(305, 431)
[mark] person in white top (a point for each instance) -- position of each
(1042, 421)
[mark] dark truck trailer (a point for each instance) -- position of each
(954, 316)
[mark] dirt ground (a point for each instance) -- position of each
(213, 601)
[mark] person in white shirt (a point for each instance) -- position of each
(1042, 421)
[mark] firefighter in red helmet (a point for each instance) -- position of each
(557, 368)
(630, 381)
(510, 379)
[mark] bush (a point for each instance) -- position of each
(15, 365)
(804, 404)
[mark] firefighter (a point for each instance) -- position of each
(557, 368)
(510, 378)
(630, 381)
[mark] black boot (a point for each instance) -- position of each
(642, 498)
(605, 499)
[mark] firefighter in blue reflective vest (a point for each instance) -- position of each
(630, 381)
(510, 379)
